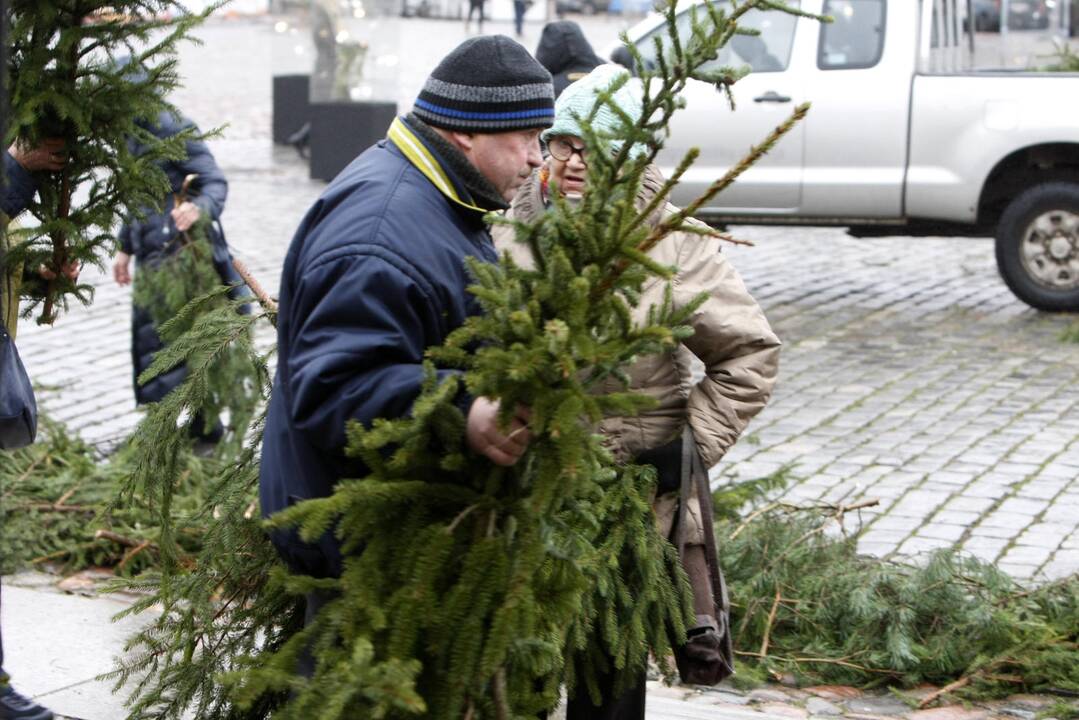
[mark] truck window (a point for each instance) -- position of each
(855, 39)
(768, 52)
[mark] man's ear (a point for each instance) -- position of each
(462, 140)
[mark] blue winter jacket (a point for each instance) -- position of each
(374, 276)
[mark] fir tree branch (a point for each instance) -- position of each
(675, 221)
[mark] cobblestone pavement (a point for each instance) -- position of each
(910, 373)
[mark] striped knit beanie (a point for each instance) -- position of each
(577, 100)
(488, 84)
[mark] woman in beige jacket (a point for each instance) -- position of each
(732, 339)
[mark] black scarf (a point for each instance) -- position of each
(483, 193)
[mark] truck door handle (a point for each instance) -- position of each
(772, 96)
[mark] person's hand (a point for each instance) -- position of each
(70, 271)
(184, 215)
(502, 446)
(48, 155)
(121, 268)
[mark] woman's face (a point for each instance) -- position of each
(566, 162)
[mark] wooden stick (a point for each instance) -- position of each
(131, 554)
(67, 496)
(498, 689)
(117, 538)
(249, 279)
(933, 696)
(49, 507)
(771, 620)
(752, 516)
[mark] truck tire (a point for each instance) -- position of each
(1037, 246)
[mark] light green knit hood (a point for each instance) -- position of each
(579, 97)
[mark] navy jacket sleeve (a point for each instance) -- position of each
(212, 186)
(16, 187)
(361, 324)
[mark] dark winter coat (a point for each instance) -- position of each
(154, 237)
(374, 276)
(566, 54)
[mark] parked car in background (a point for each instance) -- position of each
(1022, 15)
(582, 7)
(902, 138)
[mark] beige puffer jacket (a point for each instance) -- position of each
(732, 338)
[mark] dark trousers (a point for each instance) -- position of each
(519, 9)
(473, 6)
(315, 601)
(628, 706)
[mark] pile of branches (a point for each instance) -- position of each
(60, 508)
(806, 604)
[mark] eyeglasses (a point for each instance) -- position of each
(562, 149)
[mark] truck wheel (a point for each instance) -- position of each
(1038, 246)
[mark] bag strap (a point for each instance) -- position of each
(686, 490)
(694, 473)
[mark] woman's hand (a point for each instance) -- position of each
(185, 215)
(121, 268)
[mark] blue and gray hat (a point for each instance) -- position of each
(488, 84)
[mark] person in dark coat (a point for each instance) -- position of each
(376, 274)
(566, 53)
(154, 237)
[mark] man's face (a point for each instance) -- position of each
(505, 159)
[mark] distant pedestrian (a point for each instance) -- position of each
(520, 7)
(566, 53)
(473, 6)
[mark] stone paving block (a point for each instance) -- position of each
(964, 502)
(876, 549)
(952, 516)
(941, 531)
(1058, 568)
(918, 545)
(1045, 534)
(1022, 506)
(1027, 555)
(1019, 571)
(1041, 488)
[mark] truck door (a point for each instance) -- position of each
(764, 99)
(856, 132)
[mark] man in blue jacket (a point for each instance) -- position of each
(376, 274)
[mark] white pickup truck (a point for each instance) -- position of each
(901, 133)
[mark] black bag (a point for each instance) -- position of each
(708, 654)
(18, 409)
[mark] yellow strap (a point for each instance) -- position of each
(418, 154)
